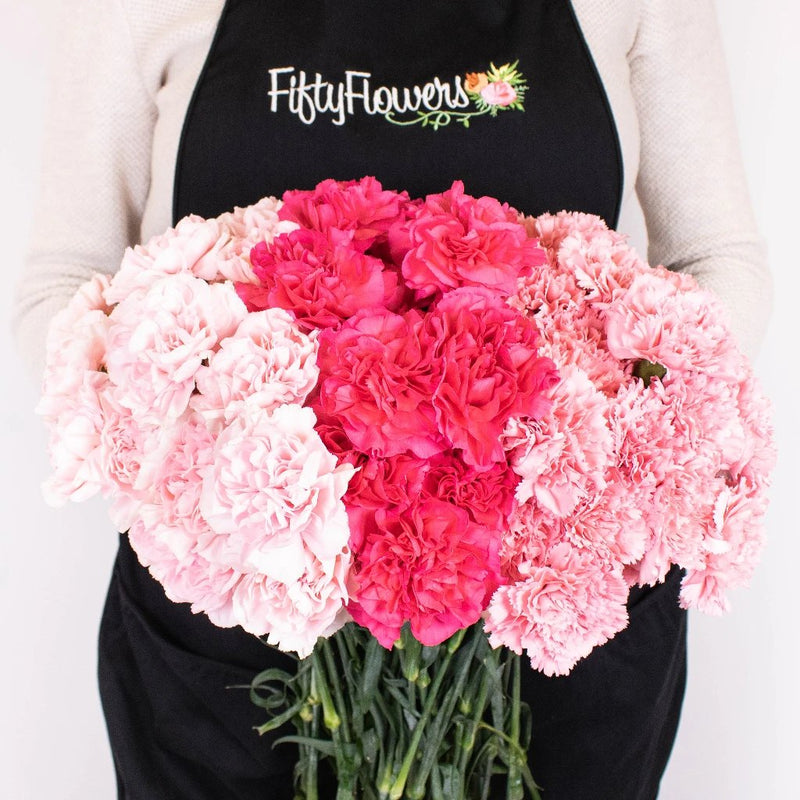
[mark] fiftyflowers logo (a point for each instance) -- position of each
(434, 104)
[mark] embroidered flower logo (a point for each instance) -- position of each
(434, 104)
(498, 89)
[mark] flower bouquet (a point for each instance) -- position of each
(408, 439)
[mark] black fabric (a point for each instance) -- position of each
(560, 152)
(176, 731)
(605, 731)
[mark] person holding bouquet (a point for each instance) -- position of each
(179, 108)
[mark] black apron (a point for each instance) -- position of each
(295, 91)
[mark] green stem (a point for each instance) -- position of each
(514, 790)
(311, 756)
(444, 716)
(399, 784)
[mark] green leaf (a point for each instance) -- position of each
(647, 370)
(324, 746)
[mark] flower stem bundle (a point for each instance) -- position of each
(443, 722)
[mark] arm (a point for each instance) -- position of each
(691, 181)
(95, 167)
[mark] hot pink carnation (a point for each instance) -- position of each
(456, 240)
(430, 566)
(486, 494)
(322, 279)
(363, 207)
(490, 371)
(392, 482)
(378, 380)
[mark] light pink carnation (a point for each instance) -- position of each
(679, 330)
(552, 229)
(274, 494)
(563, 456)
(560, 612)
(267, 362)
(159, 340)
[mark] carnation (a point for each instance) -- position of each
(430, 566)
(158, 342)
(490, 371)
(273, 494)
(321, 279)
(191, 248)
(560, 611)
(377, 378)
(562, 457)
(267, 362)
(76, 345)
(362, 207)
(456, 240)
(294, 614)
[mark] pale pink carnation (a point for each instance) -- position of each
(74, 446)
(274, 494)
(159, 340)
(294, 614)
(174, 473)
(76, 344)
(248, 227)
(126, 444)
(171, 555)
(192, 247)
(561, 610)
(267, 362)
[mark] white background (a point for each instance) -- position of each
(738, 737)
